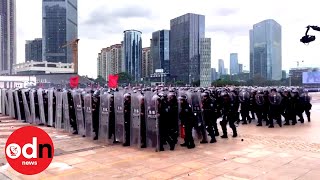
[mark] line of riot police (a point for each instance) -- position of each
(154, 117)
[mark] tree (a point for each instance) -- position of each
(124, 78)
(100, 80)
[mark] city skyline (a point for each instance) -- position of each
(226, 24)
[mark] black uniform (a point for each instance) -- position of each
(187, 120)
(228, 115)
(127, 118)
(208, 116)
(95, 114)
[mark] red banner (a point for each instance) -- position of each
(182, 132)
(113, 81)
(74, 81)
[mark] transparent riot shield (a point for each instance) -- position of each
(152, 120)
(33, 108)
(26, 106)
(79, 112)
(58, 116)
(41, 106)
(135, 135)
(50, 107)
(16, 97)
(119, 116)
(1, 101)
(88, 114)
(104, 118)
(194, 99)
(11, 103)
(65, 110)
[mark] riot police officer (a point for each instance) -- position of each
(72, 113)
(275, 108)
(228, 111)
(306, 103)
(127, 118)
(112, 119)
(143, 128)
(297, 106)
(208, 110)
(260, 106)
(245, 106)
(95, 113)
(187, 121)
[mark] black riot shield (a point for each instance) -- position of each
(88, 114)
(16, 97)
(79, 112)
(259, 98)
(11, 103)
(41, 106)
(26, 107)
(275, 98)
(104, 118)
(152, 120)
(135, 136)
(65, 112)
(32, 107)
(119, 116)
(50, 107)
(58, 116)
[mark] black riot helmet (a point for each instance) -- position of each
(205, 95)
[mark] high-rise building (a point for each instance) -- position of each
(59, 27)
(284, 74)
(185, 34)
(8, 40)
(265, 48)
(132, 47)
(160, 50)
(226, 71)
(205, 62)
(116, 59)
(102, 63)
(110, 61)
(33, 50)
(240, 68)
(234, 65)
(145, 65)
(251, 53)
(99, 66)
(221, 69)
(214, 74)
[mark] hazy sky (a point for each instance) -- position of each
(101, 24)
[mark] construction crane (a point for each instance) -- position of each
(74, 46)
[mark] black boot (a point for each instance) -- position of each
(184, 144)
(191, 145)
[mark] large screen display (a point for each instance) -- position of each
(311, 77)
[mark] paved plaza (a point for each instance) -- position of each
(287, 153)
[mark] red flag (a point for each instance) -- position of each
(113, 81)
(74, 81)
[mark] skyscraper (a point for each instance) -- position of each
(33, 50)
(265, 48)
(205, 62)
(7, 36)
(234, 65)
(145, 65)
(160, 50)
(221, 69)
(59, 27)
(132, 47)
(240, 68)
(214, 74)
(185, 34)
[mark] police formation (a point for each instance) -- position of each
(155, 117)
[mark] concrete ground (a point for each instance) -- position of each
(291, 152)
